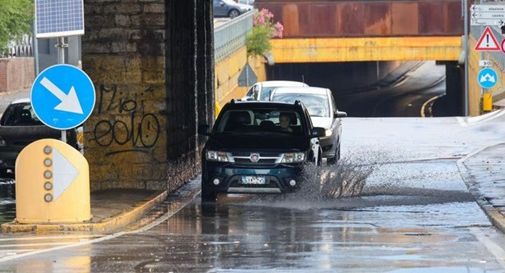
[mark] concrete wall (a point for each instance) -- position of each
(16, 74)
(151, 63)
(228, 71)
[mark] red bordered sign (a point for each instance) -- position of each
(488, 42)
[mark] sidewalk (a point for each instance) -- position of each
(111, 210)
(484, 174)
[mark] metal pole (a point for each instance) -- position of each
(35, 48)
(481, 57)
(61, 60)
(466, 95)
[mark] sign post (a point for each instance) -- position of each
(63, 96)
(488, 16)
(58, 19)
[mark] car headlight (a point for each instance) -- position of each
(217, 156)
(2, 142)
(293, 157)
(328, 132)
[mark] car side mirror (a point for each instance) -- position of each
(340, 114)
(221, 3)
(318, 132)
(203, 129)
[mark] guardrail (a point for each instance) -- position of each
(231, 36)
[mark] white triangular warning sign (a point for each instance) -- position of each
(487, 41)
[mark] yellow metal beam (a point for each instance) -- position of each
(314, 50)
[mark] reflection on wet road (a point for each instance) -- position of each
(7, 201)
(414, 214)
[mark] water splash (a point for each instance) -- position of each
(344, 179)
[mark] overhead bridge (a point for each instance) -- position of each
(368, 30)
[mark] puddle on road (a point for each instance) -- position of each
(7, 201)
(7, 209)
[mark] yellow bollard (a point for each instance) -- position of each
(487, 102)
(52, 184)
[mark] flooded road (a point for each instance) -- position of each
(7, 201)
(412, 214)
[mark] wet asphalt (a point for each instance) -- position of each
(412, 214)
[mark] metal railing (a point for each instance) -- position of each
(22, 47)
(231, 36)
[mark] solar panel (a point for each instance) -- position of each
(58, 18)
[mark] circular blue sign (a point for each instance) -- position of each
(63, 96)
(487, 78)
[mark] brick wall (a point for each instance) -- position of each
(16, 74)
(142, 134)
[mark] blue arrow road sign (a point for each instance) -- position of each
(63, 96)
(487, 78)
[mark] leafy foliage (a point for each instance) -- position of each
(264, 29)
(16, 18)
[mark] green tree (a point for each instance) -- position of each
(16, 18)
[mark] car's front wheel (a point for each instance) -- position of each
(233, 13)
(208, 195)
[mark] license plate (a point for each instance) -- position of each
(253, 180)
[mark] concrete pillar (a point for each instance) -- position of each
(454, 100)
(143, 58)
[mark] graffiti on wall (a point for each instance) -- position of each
(129, 125)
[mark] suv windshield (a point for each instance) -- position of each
(20, 114)
(261, 121)
(316, 104)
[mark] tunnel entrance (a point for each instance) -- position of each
(384, 89)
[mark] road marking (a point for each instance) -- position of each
(491, 246)
(178, 206)
(423, 108)
(49, 237)
(468, 121)
(33, 244)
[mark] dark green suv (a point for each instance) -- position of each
(258, 147)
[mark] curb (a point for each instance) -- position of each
(494, 215)
(178, 200)
(106, 225)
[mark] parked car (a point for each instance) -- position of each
(19, 126)
(229, 8)
(323, 112)
(246, 2)
(258, 147)
(262, 90)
